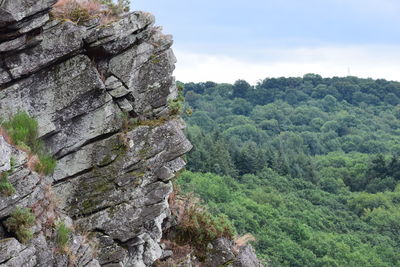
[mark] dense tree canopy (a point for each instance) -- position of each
(309, 165)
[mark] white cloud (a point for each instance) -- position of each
(363, 61)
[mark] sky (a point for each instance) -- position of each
(223, 41)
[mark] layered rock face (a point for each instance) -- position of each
(84, 85)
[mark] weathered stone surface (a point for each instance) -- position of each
(221, 253)
(124, 105)
(4, 76)
(29, 26)
(5, 155)
(25, 258)
(58, 42)
(13, 44)
(32, 24)
(247, 257)
(119, 92)
(149, 79)
(9, 248)
(82, 112)
(44, 255)
(119, 35)
(16, 10)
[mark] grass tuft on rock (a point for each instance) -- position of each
(82, 11)
(197, 227)
(6, 188)
(23, 131)
(62, 238)
(20, 222)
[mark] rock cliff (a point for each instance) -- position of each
(101, 95)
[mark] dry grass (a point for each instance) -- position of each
(81, 11)
(197, 227)
(243, 241)
(6, 137)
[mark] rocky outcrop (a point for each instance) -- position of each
(224, 252)
(220, 252)
(100, 94)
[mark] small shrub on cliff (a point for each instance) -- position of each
(63, 234)
(6, 188)
(20, 222)
(197, 227)
(176, 105)
(23, 131)
(81, 11)
(117, 8)
(46, 164)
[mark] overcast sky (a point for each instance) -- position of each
(223, 40)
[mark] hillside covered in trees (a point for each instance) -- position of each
(310, 166)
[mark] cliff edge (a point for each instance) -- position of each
(101, 94)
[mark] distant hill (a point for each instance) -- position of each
(308, 165)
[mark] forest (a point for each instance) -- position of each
(310, 166)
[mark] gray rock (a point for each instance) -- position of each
(166, 254)
(112, 83)
(220, 253)
(25, 258)
(13, 44)
(5, 155)
(119, 92)
(58, 42)
(247, 257)
(124, 105)
(164, 173)
(44, 254)
(9, 248)
(25, 26)
(119, 35)
(16, 10)
(4, 77)
(149, 79)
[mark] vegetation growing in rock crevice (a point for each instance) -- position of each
(197, 227)
(6, 188)
(23, 132)
(63, 237)
(176, 105)
(81, 11)
(20, 222)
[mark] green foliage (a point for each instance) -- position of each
(308, 165)
(198, 227)
(117, 8)
(176, 105)
(20, 222)
(63, 235)
(79, 15)
(23, 131)
(46, 164)
(6, 188)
